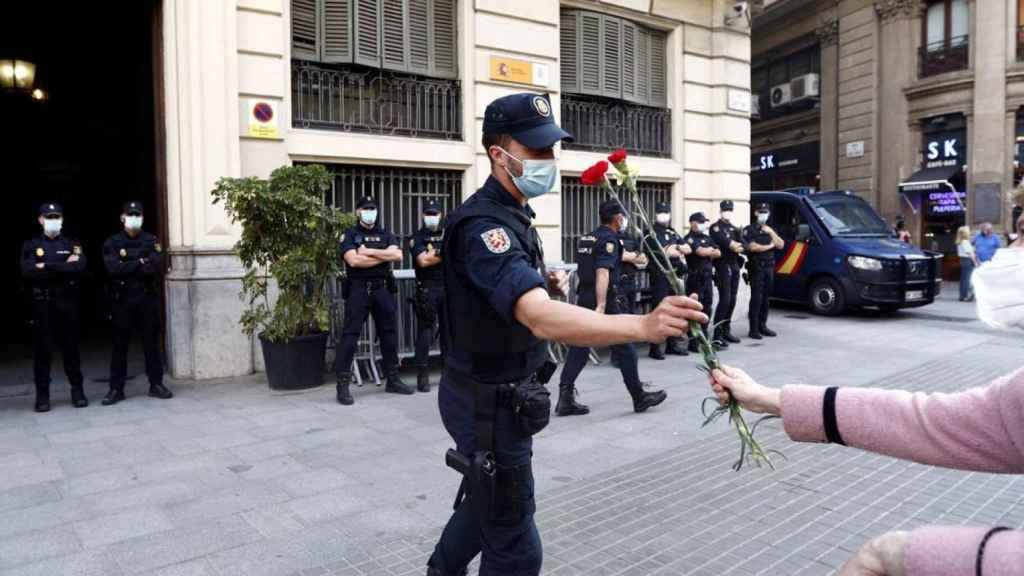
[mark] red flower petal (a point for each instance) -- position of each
(617, 157)
(594, 174)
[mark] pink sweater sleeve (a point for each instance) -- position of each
(977, 429)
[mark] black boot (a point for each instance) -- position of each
(754, 334)
(42, 399)
(656, 352)
(396, 386)
(728, 335)
(673, 347)
(431, 571)
(344, 396)
(114, 396)
(719, 340)
(160, 391)
(78, 399)
(567, 405)
(769, 333)
(642, 400)
(423, 380)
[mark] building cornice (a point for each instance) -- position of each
(828, 33)
(892, 9)
(963, 80)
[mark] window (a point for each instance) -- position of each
(768, 75)
(1020, 30)
(946, 34)
(580, 204)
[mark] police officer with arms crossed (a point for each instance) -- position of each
(700, 262)
(729, 240)
(677, 251)
(426, 248)
(599, 256)
(498, 316)
(134, 260)
(633, 260)
(761, 243)
(53, 264)
(368, 251)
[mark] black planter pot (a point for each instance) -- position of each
(297, 364)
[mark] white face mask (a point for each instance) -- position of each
(432, 221)
(997, 288)
(624, 223)
(133, 223)
(727, 216)
(52, 226)
(663, 218)
(368, 217)
(703, 227)
(762, 218)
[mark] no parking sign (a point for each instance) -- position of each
(262, 118)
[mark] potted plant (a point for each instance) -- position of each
(291, 236)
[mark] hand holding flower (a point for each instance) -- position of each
(728, 382)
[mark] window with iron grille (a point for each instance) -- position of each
(381, 66)
(400, 194)
(946, 46)
(580, 204)
(614, 84)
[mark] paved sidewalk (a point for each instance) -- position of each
(229, 478)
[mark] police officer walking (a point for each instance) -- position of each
(599, 257)
(703, 253)
(134, 260)
(761, 243)
(729, 239)
(426, 248)
(677, 252)
(368, 251)
(52, 265)
(492, 397)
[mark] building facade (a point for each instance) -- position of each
(913, 104)
(390, 95)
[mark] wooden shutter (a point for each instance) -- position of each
(611, 56)
(569, 54)
(658, 69)
(419, 36)
(643, 57)
(590, 54)
(336, 31)
(393, 33)
(304, 34)
(366, 32)
(630, 43)
(444, 32)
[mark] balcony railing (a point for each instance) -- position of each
(601, 125)
(942, 57)
(353, 99)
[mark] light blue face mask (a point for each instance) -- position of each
(368, 217)
(432, 221)
(539, 176)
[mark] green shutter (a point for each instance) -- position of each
(611, 57)
(444, 33)
(304, 36)
(419, 36)
(366, 30)
(569, 55)
(336, 31)
(590, 54)
(394, 35)
(658, 70)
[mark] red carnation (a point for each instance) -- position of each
(595, 174)
(617, 157)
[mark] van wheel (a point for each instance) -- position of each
(827, 297)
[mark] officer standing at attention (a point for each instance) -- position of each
(703, 253)
(677, 252)
(426, 248)
(633, 260)
(53, 264)
(134, 260)
(491, 397)
(729, 240)
(368, 251)
(761, 243)
(599, 256)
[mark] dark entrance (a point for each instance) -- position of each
(86, 135)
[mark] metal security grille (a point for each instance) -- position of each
(599, 124)
(580, 204)
(356, 99)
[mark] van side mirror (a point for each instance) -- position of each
(803, 233)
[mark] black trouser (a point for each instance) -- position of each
(56, 321)
(433, 294)
(727, 280)
(660, 288)
(366, 297)
(623, 354)
(761, 280)
(627, 286)
(136, 311)
(700, 284)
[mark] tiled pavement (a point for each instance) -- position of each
(229, 478)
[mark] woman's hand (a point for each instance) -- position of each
(881, 556)
(729, 381)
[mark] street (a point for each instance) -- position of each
(229, 478)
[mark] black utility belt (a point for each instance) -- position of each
(372, 283)
(54, 291)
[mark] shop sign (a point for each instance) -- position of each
(945, 202)
(791, 159)
(943, 150)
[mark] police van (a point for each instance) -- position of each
(840, 254)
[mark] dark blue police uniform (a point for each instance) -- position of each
(727, 276)
(698, 281)
(628, 282)
(492, 256)
(429, 298)
(55, 308)
(660, 286)
(762, 277)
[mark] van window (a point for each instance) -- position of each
(785, 218)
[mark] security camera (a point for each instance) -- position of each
(739, 11)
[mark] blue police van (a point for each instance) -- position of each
(840, 254)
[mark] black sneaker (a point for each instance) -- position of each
(754, 335)
(112, 397)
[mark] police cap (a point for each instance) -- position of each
(662, 207)
(527, 117)
(431, 207)
(725, 205)
(762, 207)
(366, 202)
(698, 217)
(51, 208)
(132, 208)
(609, 208)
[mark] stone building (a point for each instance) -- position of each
(913, 104)
(389, 94)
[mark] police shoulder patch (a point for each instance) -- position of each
(123, 252)
(610, 247)
(714, 228)
(496, 240)
(157, 247)
(412, 242)
(40, 252)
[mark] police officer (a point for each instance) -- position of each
(700, 262)
(134, 260)
(761, 243)
(677, 252)
(426, 248)
(491, 395)
(633, 260)
(599, 257)
(729, 239)
(52, 264)
(368, 251)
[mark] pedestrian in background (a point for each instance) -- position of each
(901, 230)
(1019, 223)
(968, 260)
(986, 243)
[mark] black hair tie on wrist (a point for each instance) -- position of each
(981, 547)
(829, 417)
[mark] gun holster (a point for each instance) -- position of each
(425, 311)
(479, 480)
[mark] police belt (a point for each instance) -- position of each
(505, 391)
(53, 291)
(372, 283)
